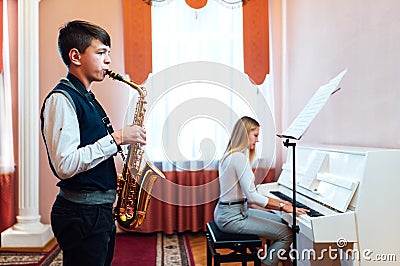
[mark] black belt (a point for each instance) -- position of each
(232, 202)
(88, 197)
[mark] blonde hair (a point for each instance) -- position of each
(239, 140)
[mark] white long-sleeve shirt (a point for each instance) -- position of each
(236, 180)
(61, 131)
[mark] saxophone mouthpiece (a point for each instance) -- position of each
(114, 75)
(142, 91)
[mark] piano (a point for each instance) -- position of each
(352, 194)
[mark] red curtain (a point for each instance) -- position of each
(137, 39)
(7, 209)
(256, 39)
(169, 218)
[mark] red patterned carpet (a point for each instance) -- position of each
(135, 249)
(152, 249)
(30, 257)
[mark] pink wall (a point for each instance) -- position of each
(275, 29)
(324, 37)
(13, 36)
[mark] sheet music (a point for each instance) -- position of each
(310, 111)
(316, 161)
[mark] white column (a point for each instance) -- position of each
(28, 231)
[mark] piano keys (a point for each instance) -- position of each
(352, 195)
(311, 213)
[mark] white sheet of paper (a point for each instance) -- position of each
(312, 108)
(313, 168)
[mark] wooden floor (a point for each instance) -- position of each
(198, 246)
(46, 248)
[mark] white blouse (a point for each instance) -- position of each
(236, 180)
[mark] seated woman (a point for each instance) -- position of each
(237, 190)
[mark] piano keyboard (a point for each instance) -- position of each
(311, 213)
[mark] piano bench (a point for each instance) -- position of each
(243, 247)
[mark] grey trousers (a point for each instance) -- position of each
(240, 219)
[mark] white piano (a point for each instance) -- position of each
(354, 196)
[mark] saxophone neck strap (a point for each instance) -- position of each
(69, 81)
(92, 100)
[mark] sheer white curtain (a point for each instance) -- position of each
(6, 140)
(183, 34)
(179, 136)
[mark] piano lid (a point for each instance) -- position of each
(329, 177)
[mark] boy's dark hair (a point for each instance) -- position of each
(79, 34)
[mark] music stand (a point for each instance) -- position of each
(297, 129)
(295, 227)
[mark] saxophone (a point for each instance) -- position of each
(133, 185)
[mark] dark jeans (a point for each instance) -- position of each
(85, 233)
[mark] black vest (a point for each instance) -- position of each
(91, 128)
